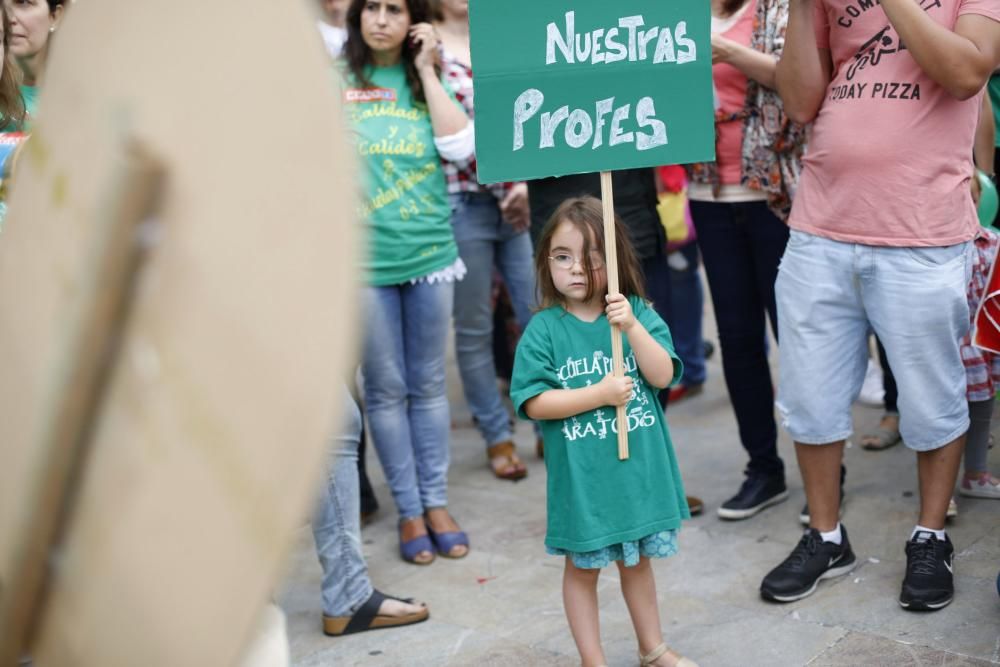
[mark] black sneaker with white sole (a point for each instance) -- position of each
(812, 559)
(929, 582)
(804, 514)
(756, 493)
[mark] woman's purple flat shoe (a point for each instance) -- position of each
(410, 550)
(445, 542)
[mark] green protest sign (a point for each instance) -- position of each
(590, 85)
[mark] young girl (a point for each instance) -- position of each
(982, 373)
(601, 509)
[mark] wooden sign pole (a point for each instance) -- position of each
(611, 263)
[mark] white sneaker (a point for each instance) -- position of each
(984, 486)
(873, 390)
(952, 509)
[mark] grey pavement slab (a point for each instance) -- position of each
(502, 604)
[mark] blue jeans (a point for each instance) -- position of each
(336, 522)
(405, 397)
(485, 240)
(686, 311)
(741, 245)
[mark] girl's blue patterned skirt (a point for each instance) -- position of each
(657, 545)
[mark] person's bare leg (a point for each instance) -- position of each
(639, 590)
(889, 422)
(580, 603)
(820, 467)
(937, 471)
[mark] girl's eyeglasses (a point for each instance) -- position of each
(565, 261)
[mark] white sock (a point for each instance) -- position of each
(834, 535)
(922, 529)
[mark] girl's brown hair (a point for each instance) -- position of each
(587, 215)
(11, 103)
(359, 56)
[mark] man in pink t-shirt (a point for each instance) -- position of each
(880, 240)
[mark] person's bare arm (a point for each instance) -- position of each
(960, 61)
(564, 403)
(447, 118)
(804, 70)
(653, 360)
(983, 149)
(752, 63)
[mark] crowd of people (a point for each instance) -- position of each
(822, 218)
(794, 232)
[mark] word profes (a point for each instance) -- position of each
(604, 46)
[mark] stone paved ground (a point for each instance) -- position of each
(502, 604)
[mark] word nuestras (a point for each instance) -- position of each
(621, 42)
(580, 128)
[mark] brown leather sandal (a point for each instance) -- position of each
(513, 468)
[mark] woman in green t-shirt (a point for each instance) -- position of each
(33, 22)
(11, 110)
(405, 121)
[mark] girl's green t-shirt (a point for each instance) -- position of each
(593, 499)
(405, 198)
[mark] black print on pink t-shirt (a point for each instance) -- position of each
(884, 43)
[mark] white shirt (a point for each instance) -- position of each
(333, 37)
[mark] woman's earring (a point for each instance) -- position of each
(52, 29)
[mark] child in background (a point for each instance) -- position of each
(601, 510)
(982, 370)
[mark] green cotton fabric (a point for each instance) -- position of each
(595, 500)
(30, 96)
(405, 199)
(993, 88)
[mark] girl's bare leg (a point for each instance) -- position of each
(639, 590)
(580, 603)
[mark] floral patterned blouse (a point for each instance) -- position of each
(772, 144)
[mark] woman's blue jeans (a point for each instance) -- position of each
(404, 367)
(336, 522)
(485, 240)
(687, 310)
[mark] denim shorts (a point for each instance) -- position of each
(831, 294)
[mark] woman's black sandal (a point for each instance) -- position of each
(368, 618)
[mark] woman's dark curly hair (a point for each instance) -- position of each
(359, 56)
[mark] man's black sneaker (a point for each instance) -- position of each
(804, 514)
(756, 493)
(811, 560)
(929, 581)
